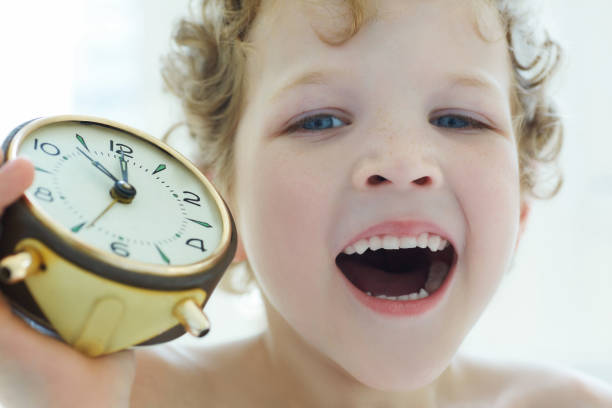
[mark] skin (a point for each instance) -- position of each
(36, 370)
(299, 198)
(390, 163)
(20, 173)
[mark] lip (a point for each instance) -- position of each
(403, 308)
(401, 228)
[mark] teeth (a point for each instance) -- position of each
(375, 243)
(390, 242)
(413, 296)
(408, 242)
(350, 250)
(361, 246)
(434, 243)
(422, 240)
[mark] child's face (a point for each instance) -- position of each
(302, 197)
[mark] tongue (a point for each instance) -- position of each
(379, 282)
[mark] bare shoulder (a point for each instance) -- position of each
(540, 385)
(185, 375)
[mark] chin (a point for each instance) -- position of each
(401, 378)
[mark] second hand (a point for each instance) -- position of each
(91, 224)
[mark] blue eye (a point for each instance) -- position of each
(458, 122)
(316, 123)
(321, 122)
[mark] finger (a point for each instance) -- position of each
(15, 177)
(13, 328)
(8, 318)
(20, 342)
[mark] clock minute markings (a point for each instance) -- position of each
(159, 168)
(202, 223)
(82, 141)
(42, 170)
(77, 228)
(163, 255)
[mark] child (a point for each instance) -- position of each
(340, 131)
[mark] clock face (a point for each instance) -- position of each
(121, 194)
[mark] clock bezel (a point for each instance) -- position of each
(107, 257)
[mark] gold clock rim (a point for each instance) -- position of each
(107, 256)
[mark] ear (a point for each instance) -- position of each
(240, 255)
(525, 210)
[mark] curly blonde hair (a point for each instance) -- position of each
(206, 70)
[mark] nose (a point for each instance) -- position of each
(401, 164)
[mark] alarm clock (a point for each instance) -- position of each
(119, 241)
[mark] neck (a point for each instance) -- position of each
(312, 379)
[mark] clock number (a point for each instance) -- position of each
(121, 148)
(195, 200)
(196, 243)
(44, 194)
(49, 148)
(120, 249)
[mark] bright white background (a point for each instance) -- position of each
(102, 57)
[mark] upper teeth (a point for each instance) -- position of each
(424, 240)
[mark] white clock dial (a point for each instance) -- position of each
(172, 219)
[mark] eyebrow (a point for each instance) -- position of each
(307, 78)
(475, 80)
(321, 77)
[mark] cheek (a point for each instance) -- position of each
(282, 199)
(489, 194)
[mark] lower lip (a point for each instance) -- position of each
(402, 307)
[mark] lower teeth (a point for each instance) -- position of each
(413, 296)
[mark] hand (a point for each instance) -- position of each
(39, 371)
(15, 178)
(98, 165)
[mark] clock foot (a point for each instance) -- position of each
(191, 316)
(15, 268)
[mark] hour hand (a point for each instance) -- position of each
(98, 165)
(124, 167)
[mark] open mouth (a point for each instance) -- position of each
(413, 269)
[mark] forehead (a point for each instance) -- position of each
(442, 35)
(333, 14)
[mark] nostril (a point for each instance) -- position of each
(422, 181)
(375, 180)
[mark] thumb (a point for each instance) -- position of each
(15, 177)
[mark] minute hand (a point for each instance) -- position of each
(98, 165)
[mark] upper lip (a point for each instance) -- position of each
(400, 228)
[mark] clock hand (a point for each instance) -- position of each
(124, 167)
(98, 165)
(122, 190)
(91, 224)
